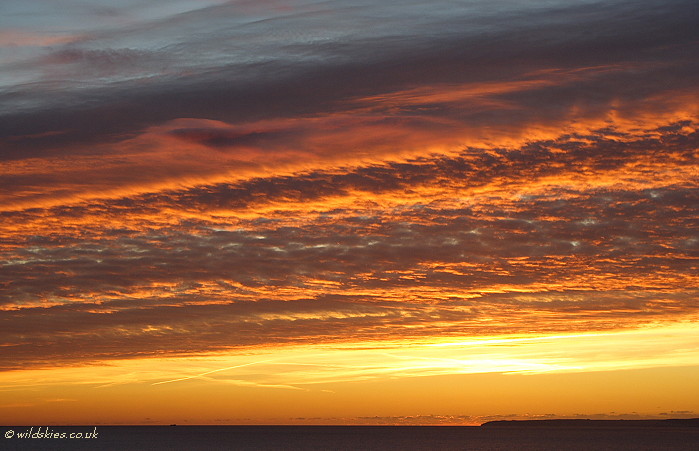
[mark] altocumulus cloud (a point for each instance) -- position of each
(186, 177)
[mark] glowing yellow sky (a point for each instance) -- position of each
(377, 383)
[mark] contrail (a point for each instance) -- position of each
(212, 371)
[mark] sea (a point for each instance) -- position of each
(384, 438)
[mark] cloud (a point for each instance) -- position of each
(19, 38)
(218, 176)
(222, 82)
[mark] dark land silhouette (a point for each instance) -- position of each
(671, 422)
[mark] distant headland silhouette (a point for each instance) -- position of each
(671, 422)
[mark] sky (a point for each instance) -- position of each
(348, 212)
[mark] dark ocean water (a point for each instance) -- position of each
(290, 438)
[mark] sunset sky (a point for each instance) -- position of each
(348, 212)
